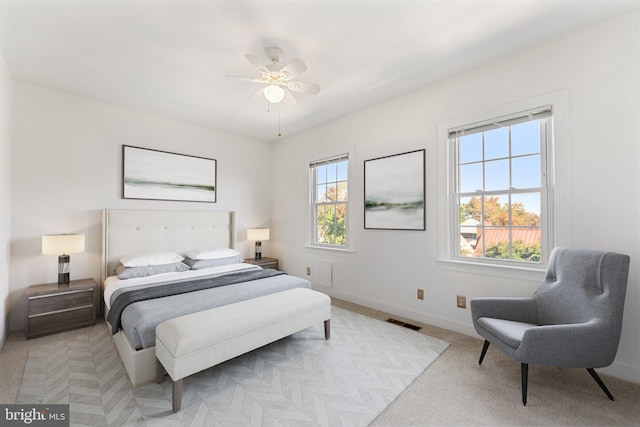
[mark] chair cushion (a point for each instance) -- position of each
(508, 331)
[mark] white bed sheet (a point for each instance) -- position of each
(113, 283)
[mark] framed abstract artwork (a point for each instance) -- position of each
(394, 192)
(160, 175)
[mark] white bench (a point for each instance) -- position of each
(192, 343)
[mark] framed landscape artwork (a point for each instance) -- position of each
(160, 175)
(394, 192)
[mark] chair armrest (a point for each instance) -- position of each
(516, 309)
(581, 345)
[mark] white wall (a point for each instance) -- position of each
(5, 196)
(66, 156)
(597, 70)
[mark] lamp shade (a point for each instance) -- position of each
(56, 244)
(258, 234)
(274, 94)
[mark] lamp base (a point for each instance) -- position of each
(63, 269)
(258, 249)
(63, 278)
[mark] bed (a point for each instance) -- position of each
(127, 232)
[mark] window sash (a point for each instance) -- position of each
(544, 115)
(316, 205)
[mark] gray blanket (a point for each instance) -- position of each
(121, 299)
(139, 319)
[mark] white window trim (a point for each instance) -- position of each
(557, 159)
(349, 248)
(543, 190)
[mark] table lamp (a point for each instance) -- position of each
(258, 234)
(63, 245)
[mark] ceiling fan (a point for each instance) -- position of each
(278, 79)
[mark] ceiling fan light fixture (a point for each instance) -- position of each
(274, 93)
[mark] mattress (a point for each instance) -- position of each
(139, 319)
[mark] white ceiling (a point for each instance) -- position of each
(171, 57)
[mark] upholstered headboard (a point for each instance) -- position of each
(126, 232)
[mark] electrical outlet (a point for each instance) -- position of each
(461, 301)
(420, 293)
(308, 271)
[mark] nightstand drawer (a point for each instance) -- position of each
(52, 308)
(264, 262)
(60, 301)
(273, 265)
(62, 320)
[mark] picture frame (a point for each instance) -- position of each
(394, 192)
(161, 175)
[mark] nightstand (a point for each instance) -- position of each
(264, 262)
(51, 308)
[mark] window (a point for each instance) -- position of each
(329, 202)
(500, 197)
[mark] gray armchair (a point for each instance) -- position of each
(573, 320)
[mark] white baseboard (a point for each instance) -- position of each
(622, 371)
(438, 321)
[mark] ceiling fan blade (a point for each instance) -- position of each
(255, 61)
(293, 68)
(288, 99)
(246, 79)
(303, 87)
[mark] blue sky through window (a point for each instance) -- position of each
(491, 161)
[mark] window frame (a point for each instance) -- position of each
(558, 213)
(545, 115)
(312, 202)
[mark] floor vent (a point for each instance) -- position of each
(405, 324)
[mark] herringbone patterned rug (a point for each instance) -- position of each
(301, 380)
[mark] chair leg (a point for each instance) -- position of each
(525, 374)
(484, 351)
(600, 383)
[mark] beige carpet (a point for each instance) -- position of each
(454, 390)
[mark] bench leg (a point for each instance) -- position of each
(327, 329)
(159, 372)
(176, 389)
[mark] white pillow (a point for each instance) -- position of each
(212, 254)
(150, 258)
(150, 270)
